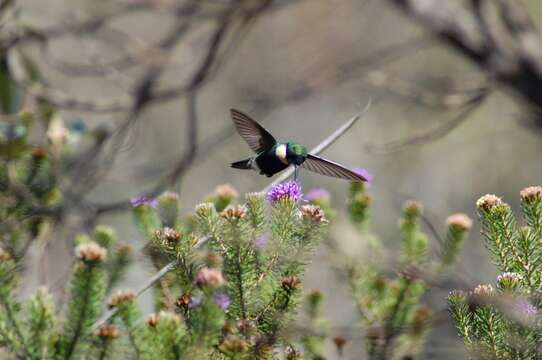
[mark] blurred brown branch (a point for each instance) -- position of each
(508, 47)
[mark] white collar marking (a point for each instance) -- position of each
(281, 153)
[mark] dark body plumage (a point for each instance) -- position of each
(268, 163)
(273, 157)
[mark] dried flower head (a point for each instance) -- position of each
(107, 331)
(459, 221)
(291, 353)
(235, 212)
(339, 342)
(531, 193)
(184, 301)
(488, 201)
(233, 344)
(483, 290)
(121, 297)
(290, 190)
(153, 320)
(144, 200)
(90, 252)
(124, 249)
(315, 297)
(226, 192)
(246, 326)
(167, 235)
(212, 259)
(4, 255)
(209, 277)
(39, 152)
(421, 319)
(312, 213)
(290, 283)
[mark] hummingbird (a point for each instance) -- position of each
(273, 156)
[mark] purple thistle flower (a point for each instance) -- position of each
(195, 301)
(525, 307)
(290, 189)
(366, 174)
(261, 242)
(144, 200)
(221, 299)
(318, 195)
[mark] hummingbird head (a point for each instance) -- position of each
(296, 153)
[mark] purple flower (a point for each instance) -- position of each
(525, 307)
(221, 299)
(318, 195)
(365, 173)
(261, 242)
(144, 200)
(196, 300)
(290, 189)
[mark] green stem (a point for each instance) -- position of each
(239, 278)
(16, 328)
(70, 347)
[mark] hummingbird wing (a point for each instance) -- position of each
(329, 168)
(257, 138)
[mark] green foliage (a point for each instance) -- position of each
(390, 309)
(502, 321)
(237, 279)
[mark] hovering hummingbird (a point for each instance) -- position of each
(273, 156)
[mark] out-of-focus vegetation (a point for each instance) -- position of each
(103, 102)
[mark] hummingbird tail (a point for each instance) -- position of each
(243, 164)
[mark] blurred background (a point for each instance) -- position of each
(301, 68)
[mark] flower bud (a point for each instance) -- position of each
(509, 280)
(290, 283)
(484, 290)
(531, 193)
(167, 236)
(226, 192)
(312, 213)
(208, 277)
(412, 208)
(459, 222)
(488, 202)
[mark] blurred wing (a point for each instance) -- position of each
(329, 168)
(254, 134)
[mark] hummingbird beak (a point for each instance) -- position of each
(296, 172)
